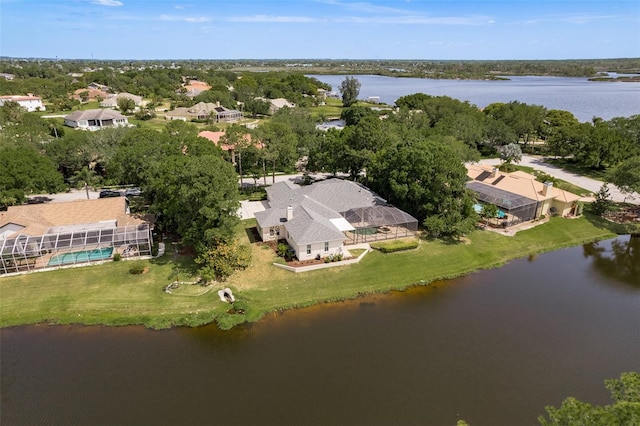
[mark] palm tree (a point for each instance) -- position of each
(85, 176)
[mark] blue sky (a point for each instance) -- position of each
(333, 29)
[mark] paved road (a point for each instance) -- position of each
(592, 185)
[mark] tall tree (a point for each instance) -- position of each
(126, 105)
(85, 177)
(350, 89)
(626, 175)
(427, 179)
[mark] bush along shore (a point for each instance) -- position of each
(109, 294)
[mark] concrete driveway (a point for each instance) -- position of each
(248, 209)
(589, 184)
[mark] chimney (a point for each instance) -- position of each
(289, 213)
(494, 172)
(547, 188)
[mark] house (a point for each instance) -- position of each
(98, 86)
(111, 101)
(29, 102)
(217, 138)
(319, 219)
(89, 94)
(37, 236)
(95, 119)
(519, 195)
(205, 111)
(277, 104)
(194, 88)
(7, 76)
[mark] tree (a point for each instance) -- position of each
(511, 153)
(126, 105)
(625, 410)
(626, 175)
(426, 179)
(236, 137)
(24, 171)
(86, 177)
(218, 262)
(350, 89)
(602, 203)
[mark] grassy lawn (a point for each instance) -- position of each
(108, 294)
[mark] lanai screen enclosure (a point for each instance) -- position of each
(379, 222)
(518, 208)
(75, 244)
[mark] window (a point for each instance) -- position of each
(308, 248)
(326, 246)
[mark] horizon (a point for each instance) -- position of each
(375, 30)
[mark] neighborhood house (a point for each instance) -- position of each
(30, 103)
(111, 101)
(318, 220)
(40, 236)
(519, 196)
(95, 119)
(205, 111)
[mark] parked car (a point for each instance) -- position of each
(108, 193)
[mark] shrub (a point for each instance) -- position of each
(137, 268)
(117, 257)
(395, 246)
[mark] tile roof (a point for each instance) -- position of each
(37, 219)
(519, 182)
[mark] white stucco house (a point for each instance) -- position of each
(30, 103)
(111, 101)
(318, 220)
(96, 119)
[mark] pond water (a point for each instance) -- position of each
(585, 99)
(492, 348)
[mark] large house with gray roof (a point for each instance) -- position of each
(318, 220)
(95, 119)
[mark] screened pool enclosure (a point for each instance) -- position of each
(74, 245)
(517, 208)
(379, 222)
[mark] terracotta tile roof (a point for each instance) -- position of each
(518, 182)
(38, 218)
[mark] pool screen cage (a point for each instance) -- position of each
(380, 222)
(27, 253)
(517, 207)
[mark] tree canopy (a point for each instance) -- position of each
(350, 89)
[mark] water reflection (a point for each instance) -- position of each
(617, 259)
(492, 348)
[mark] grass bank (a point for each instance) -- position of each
(108, 294)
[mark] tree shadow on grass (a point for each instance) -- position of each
(252, 234)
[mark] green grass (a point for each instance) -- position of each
(108, 294)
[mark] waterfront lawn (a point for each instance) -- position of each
(108, 294)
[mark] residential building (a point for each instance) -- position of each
(30, 103)
(319, 219)
(205, 111)
(519, 195)
(7, 76)
(218, 139)
(111, 101)
(88, 94)
(95, 119)
(37, 236)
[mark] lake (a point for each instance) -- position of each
(492, 348)
(585, 99)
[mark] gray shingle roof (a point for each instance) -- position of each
(95, 114)
(313, 208)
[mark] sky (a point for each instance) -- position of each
(320, 29)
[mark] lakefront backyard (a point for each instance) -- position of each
(109, 294)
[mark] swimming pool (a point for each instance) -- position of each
(80, 256)
(478, 208)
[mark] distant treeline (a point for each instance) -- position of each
(467, 69)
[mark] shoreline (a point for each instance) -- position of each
(107, 295)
